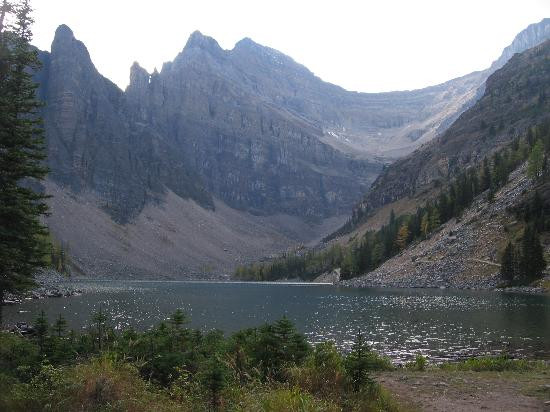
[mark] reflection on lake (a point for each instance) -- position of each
(399, 322)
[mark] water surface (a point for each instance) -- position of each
(400, 323)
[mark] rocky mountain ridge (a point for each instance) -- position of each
(514, 99)
(247, 132)
(189, 130)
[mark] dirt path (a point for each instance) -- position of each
(436, 390)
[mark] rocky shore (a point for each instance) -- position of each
(49, 284)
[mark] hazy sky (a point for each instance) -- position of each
(360, 45)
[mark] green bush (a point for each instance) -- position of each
(170, 367)
(323, 373)
(19, 358)
(419, 364)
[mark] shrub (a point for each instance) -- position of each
(323, 373)
(419, 364)
(19, 357)
(285, 400)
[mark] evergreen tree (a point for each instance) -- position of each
(377, 253)
(215, 379)
(21, 153)
(60, 326)
(485, 175)
(357, 363)
(179, 318)
(443, 207)
(292, 345)
(100, 322)
(392, 218)
(507, 268)
(434, 220)
(41, 327)
(532, 261)
(425, 225)
(402, 237)
(536, 161)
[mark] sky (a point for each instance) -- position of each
(367, 46)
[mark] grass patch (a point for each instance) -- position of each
(494, 364)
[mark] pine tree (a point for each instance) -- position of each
(536, 161)
(100, 322)
(392, 218)
(179, 318)
(425, 225)
(357, 363)
(532, 261)
(21, 153)
(434, 220)
(402, 237)
(443, 207)
(215, 379)
(507, 268)
(41, 327)
(60, 326)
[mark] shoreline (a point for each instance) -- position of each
(49, 284)
(52, 284)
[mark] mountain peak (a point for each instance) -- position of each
(139, 77)
(246, 42)
(64, 31)
(65, 43)
(531, 36)
(200, 41)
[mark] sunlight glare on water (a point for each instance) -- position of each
(400, 323)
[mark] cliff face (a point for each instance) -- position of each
(533, 35)
(92, 145)
(197, 129)
(251, 153)
(249, 126)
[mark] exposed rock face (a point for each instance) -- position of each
(249, 126)
(514, 99)
(196, 128)
(533, 35)
(93, 146)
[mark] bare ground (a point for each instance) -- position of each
(176, 239)
(445, 391)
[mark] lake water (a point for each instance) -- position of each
(400, 323)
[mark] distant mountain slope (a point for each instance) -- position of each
(247, 131)
(177, 239)
(194, 129)
(463, 253)
(515, 98)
